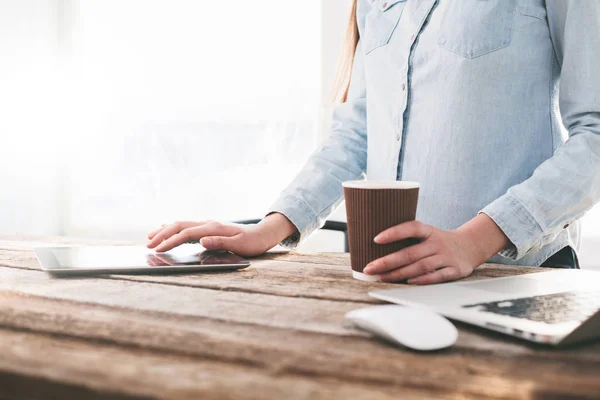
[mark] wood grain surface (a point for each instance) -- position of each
(274, 330)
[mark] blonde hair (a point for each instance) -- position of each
(344, 69)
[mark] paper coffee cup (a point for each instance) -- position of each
(371, 208)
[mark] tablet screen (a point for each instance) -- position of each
(132, 257)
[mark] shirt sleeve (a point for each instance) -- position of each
(566, 185)
(317, 189)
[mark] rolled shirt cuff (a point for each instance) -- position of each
(517, 223)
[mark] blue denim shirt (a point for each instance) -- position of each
(473, 99)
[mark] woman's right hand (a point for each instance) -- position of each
(244, 240)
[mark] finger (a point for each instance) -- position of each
(170, 230)
(406, 256)
(166, 232)
(197, 233)
(439, 276)
(154, 232)
(216, 243)
(425, 266)
(407, 230)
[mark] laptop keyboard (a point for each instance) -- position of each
(550, 308)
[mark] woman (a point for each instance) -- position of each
(461, 96)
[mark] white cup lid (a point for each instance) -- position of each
(378, 184)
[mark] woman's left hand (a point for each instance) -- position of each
(441, 255)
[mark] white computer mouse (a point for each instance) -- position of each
(415, 328)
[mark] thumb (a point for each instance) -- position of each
(218, 242)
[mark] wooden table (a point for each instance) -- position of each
(275, 330)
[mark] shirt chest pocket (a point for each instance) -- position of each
(472, 28)
(380, 23)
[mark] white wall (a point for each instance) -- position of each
(333, 28)
(86, 86)
(30, 94)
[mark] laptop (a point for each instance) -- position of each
(557, 308)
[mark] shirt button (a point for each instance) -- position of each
(566, 226)
(384, 5)
(404, 86)
(398, 138)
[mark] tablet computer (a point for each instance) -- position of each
(86, 260)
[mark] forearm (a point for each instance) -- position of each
(484, 238)
(276, 227)
(317, 189)
(558, 193)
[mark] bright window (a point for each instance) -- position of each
(188, 109)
